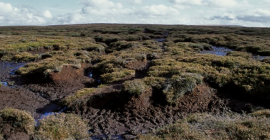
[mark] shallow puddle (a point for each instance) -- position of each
(221, 51)
(95, 77)
(8, 69)
(4, 84)
(160, 40)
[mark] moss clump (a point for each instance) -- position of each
(14, 120)
(178, 85)
(61, 126)
(135, 87)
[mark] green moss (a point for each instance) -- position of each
(61, 126)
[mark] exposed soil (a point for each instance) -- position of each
(7, 69)
(112, 112)
(37, 95)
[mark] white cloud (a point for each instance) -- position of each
(6, 8)
(47, 14)
(187, 2)
(217, 3)
(221, 3)
(11, 15)
(138, 1)
(101, 4)
(227, 12)
(92, 12)
(157, 10)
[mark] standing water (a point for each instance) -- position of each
(8, 69)
(221, 51)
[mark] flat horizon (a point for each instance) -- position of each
(164, 12)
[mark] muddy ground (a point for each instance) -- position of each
(112, 113)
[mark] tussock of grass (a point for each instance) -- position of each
(61, 126)
(156, 82)
(215, 127)
(261, 113)
(114, 76)
(135, 87)
(240, 54)
(16, 121)
(24, 57)
(79, 96)
(178, 85)
(54, 63)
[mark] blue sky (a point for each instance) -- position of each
(249, 13)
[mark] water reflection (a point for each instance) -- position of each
(221, 51)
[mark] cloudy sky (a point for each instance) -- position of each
(252, 13)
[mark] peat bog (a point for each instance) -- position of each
(118, 81)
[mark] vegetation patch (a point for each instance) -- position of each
(79, 96)
(206, 126)
(62, 126)
(135, 87)
(117, 75)
(14, 120)
(178, 85)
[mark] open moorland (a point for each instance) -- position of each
(112, 81)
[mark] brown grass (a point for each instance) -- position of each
(214, 127)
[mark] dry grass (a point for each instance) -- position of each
(16, 121)
(214, 127)
(61, 126)
(135, 87)
(79, 96)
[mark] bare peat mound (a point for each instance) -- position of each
(58, 84)
(114, 112)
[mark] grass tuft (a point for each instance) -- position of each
(61, 126)
(14, 120)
